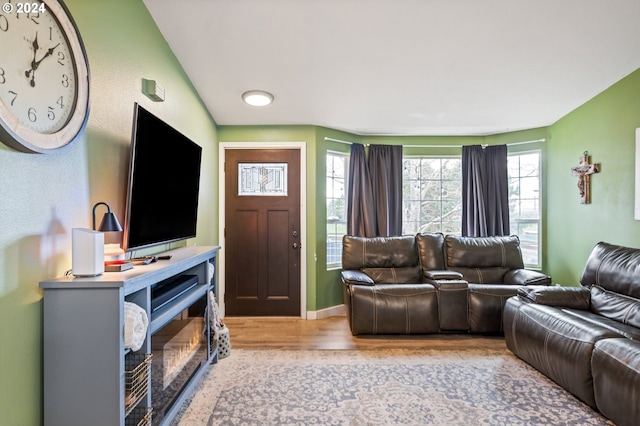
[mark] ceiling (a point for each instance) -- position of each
(402, 67)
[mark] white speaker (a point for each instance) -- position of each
(87, 252)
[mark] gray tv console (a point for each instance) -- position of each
(85, 361)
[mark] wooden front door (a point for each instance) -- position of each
(262, 232)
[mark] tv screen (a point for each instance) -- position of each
(164, 182)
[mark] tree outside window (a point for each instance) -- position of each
(432, 195)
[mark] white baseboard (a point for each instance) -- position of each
(327, 312)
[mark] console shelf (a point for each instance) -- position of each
(163, 315)
(87, 369)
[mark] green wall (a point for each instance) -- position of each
(43, 196)
(604, 126)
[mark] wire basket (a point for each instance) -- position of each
(136, 379)
(139, 416)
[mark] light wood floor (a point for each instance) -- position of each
(334, 333)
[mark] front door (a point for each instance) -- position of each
(262, 232)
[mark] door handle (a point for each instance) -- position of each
(296, 245)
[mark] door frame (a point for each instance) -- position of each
(302, 146)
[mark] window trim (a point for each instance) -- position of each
(538, 151)
(346, 155)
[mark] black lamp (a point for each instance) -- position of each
(109, 221)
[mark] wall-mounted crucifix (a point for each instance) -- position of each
(584, 172)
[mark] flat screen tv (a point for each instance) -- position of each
(164, 183)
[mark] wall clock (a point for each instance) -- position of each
(44, 77)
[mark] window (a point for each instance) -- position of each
(260, 179)
(432, 199)
(524, 204)
(432, 195)
(336, 193)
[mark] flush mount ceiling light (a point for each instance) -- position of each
(257, 98)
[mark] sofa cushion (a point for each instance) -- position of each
(557, 342)
(615, 306)
(394, 309)
(616, 379)
(624, 330)
(483, 252)
(378, 252)
(408, 275)
(614, 268)
(482, 275)
(431, 250)
(597, 320)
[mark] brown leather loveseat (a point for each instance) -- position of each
(586, 338)
(431, 282)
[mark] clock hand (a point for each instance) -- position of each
(36, 64)
(48, 53)
(35, 47)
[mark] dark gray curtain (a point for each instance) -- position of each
(360, 209)
(385, 168)
(485, 191)
(374, 198)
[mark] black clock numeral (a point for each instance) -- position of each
(15, 96)
(31, 113)
(3, 79)
(65, 80)
(60, 102)
(30, 10)
(33, 17)
(61, 58)
(4, 23)
(50, 114)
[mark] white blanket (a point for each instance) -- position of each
(135, 326)
(215, 323)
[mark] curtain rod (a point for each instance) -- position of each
(483, 145)
(337, 140)
(441, 146)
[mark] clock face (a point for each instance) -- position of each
(43, 77)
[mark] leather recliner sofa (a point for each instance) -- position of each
(586, 338)
(431, 282)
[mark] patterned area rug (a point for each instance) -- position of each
(387, 387)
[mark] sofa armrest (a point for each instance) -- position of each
(350, 277)
(442, 275)
(526, 277)
(449, 280)
(565, 297)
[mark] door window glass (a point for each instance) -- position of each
(262, 179)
